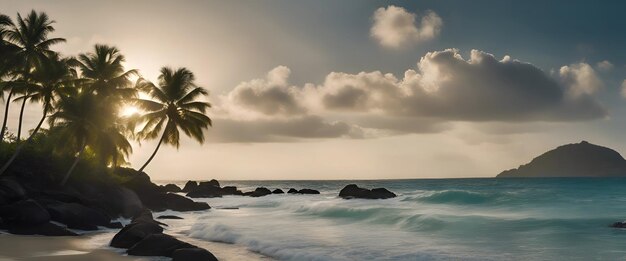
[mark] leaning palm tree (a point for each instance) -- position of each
(29, 35)
(79, 118)
(173, 106)
(51, 75)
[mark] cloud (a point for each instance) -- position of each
(395, 27)
(448, 87)
(623, 89)
(269, 96)
(281, 130)
(442, 89)
(604, 66)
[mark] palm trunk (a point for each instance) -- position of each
(19, 126)
(155, 150)
(21, 145)
(6, 115)
(69, 172)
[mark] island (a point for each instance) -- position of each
(572, 160)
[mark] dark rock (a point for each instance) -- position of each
(146, 217)
(308, 191)
(26, 212)
(193, 254)
(205, 190)
(180, 203)
(230, 190)
(114, 225)
(11, 190)
(45, 229)
(172, 188)
(169, 217)
(158, 245)
(190, 186)
(292, 191)
(278, 191)
(133, 233)
(572, 160)
(353, 191)
(77, 216)
(260, 191)
(212, 182)
(621, 224)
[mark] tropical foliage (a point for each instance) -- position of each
(81, 99)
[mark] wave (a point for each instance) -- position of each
(462, 197)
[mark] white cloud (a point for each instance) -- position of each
(395, 27)
(604, 66)
(443, 88)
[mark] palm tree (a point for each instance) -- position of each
(173, 107)
(79, 118)
(7, 65)
(51, 75)
(104, 71)
(29, 36)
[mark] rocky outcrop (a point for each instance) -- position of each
(572, 160)
(210, 189)
(353, 191)
(144, 237)
(171, 188)
(302, 191)
(259, 192)
(278, 191)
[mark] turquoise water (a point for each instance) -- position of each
(438, 219)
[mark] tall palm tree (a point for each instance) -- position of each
(104, 70)
(29, 35)
(50, 76)
(173, 106)
(7, 64)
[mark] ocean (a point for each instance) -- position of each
(431, 219)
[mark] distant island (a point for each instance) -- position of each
(572, 160)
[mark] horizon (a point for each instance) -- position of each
(365, 90)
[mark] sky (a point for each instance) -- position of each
(367, 89)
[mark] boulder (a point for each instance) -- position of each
(172, 188)
(308, 191)
(169, 217)
(180, 203)
(133, 233)
(44, 229)
(11, 190)
(278, 191)
(260, 191)
(77, 216)
(353, 191)
(158, 245)
(620, 224)
(115, 225)
(205, 190)
(212, 182)
(25, 212)
(231, 190)
(190, 186)
(292, 191)
(193, 254)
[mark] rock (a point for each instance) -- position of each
(260, 191)
(114, 225)
(193, 254)
(278, 191)
(213, 182)
(158, 245)
(180, 203)
(231, 190)
(169, 217)
(621, 224)
(205, 190)
(292, 191)
(77, 216)
(172, 188)
(133, 233)
(353, 191)
(44, 229)
(572, 160)
(11, 190)
(26, 212)
(190, 186)
(308, 191)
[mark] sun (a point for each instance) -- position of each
(129, 110)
